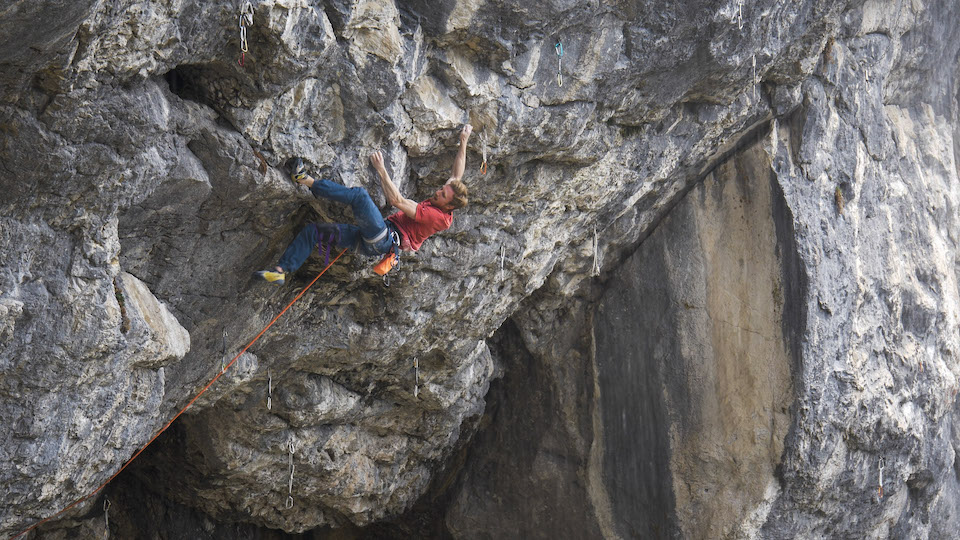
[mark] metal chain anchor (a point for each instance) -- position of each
(289, 503)
(246, 19)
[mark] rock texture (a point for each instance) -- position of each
(715, 271)
(726, 381)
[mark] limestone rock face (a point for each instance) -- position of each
(724, 380)
(708, 286)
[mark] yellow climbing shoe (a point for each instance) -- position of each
(277, 278)
(296, 169)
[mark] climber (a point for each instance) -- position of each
(372, 235)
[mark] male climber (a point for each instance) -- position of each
(372, 235)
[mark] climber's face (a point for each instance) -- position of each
(441, 199)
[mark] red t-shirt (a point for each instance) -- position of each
(429, 220)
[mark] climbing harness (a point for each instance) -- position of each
(483, 148)
(246, 19)
(289, 503)
(416, 375)
(596, 253)
(559, 49)
(106, 518)
(269, 391)
(882, 464)
(187, 406)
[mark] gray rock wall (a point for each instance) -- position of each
(666, 405)
(140, 189)
(659, 362)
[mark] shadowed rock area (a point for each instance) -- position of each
(696, 385)
(707, 287)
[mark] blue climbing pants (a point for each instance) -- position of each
(370, 224)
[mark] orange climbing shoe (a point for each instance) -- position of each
(386, 264)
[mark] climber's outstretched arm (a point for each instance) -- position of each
(405, 205)
(460, 162)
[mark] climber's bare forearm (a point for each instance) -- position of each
(460, 162)
(390, 191)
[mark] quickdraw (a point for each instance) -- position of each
(289, 503)
(483, 149)
(246, 19)
(223, 354)
(559, 49)
(755, 82)
(740, 14)
(106, 518)
(269, 391)
(416, 374)
(503, 256)
(596, 253)
(882, 464)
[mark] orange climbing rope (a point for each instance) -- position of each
(183, 410)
